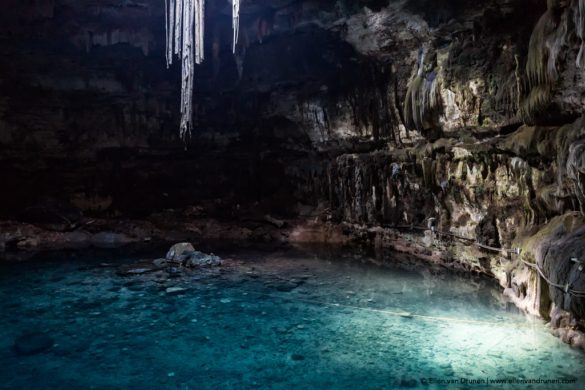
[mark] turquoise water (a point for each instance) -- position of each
(272, 319)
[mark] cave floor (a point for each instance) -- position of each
(285, 318)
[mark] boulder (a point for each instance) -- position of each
(180, 252)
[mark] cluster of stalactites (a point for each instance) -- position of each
(422, 103)
(547, 39)
(185, 30)
(550, 35)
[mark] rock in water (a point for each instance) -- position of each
(185, 254)
(33, 343)
(180, 252)
(200, 259)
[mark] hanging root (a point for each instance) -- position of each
(236, 21)
(185, 30)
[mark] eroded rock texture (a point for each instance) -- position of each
(426, 126)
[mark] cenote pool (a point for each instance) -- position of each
(268, 319)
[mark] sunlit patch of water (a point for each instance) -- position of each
(277, 320)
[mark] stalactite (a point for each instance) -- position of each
(167, 24)
(422, 103)
(188, 65)
(200, 30)
(177, 25)
(236, 21)
(551, 34)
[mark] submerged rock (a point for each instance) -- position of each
(175, 290)
(286, 286)
(138, 268)
(33, 343)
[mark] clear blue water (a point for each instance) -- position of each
(280, 319)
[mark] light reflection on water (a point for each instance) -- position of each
(279, 319)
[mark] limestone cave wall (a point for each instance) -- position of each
(492, 115)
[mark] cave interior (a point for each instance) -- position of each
(445, 138)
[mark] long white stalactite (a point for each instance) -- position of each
(185, 32)
(236, 21)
